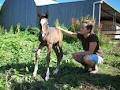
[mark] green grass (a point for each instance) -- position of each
(16, 66)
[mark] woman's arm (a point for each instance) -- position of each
(68, 33)
(92, 46)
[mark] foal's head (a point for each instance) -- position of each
(43, 21)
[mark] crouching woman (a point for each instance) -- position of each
(92, 54)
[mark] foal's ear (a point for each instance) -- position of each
(39, 15)
(46, 15)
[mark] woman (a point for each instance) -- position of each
(92, 55)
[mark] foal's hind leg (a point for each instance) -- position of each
(36, 59)
(48, 61)
(59, 54)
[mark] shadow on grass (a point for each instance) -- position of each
(116, 64)
(70, 77)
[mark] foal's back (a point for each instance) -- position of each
(55, 36)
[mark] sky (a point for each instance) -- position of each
(114, 3)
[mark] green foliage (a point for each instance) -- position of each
(2, 84)
(2, 30)
(75, 25)
(17, 47)
(57, 23)
(113, 54)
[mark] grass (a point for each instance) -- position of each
(16, 66)
(70, 78)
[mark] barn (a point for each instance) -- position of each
(24, 12)
(15, 12)
(64, 12)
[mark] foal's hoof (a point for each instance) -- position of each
(34, 74)
(55, 71)
(34, 50)
(57, 76)
(46, 78)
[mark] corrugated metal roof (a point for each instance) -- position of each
(44, 2)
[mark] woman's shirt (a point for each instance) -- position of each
(86, 41)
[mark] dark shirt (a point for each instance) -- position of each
(86, 41)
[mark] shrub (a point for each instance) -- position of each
(17, 47)
(2, 30)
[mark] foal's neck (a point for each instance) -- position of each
(45, 31)
(45, 28)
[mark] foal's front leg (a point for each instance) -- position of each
(37, 52)
(48, 61)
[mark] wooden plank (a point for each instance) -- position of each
(111, 32)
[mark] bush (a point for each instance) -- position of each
(17, 47)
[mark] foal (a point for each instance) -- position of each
(52, 38)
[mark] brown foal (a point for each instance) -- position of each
(52, 38)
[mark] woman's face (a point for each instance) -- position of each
(83, 30)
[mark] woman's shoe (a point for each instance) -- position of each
(94, 70)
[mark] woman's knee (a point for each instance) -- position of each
(75, 57)
(88, 61)
(78, 57)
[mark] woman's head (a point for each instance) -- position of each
(87, 27)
